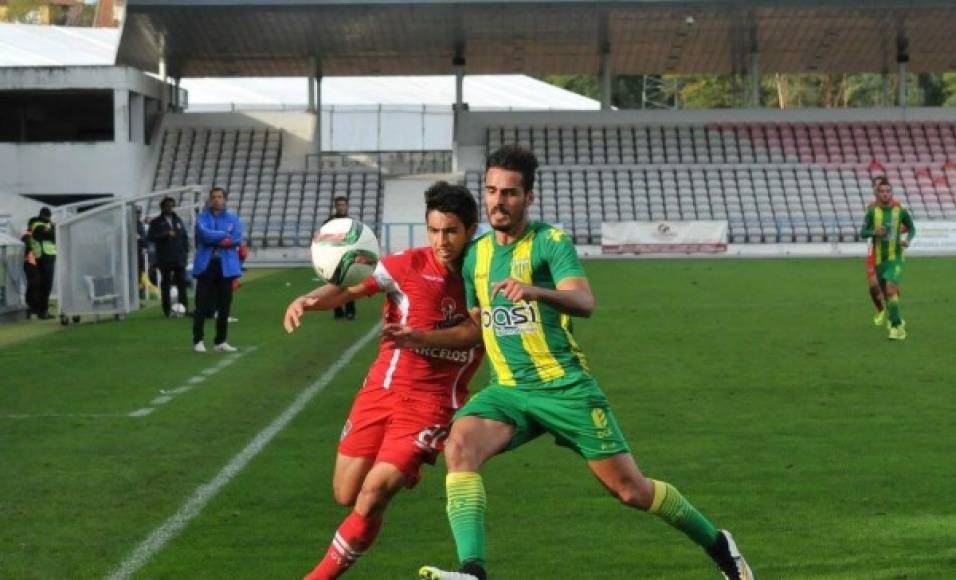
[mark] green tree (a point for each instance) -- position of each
(18, 10)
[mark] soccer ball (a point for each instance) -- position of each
(178, 310)
(344, 252)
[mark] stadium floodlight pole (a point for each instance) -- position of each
(606, 77)
(458, 63)
(755, 79)
(902, 57)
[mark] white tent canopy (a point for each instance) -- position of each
(24, 45)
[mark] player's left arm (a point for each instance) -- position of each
(571, 296)
(572, 293)
(907, 220)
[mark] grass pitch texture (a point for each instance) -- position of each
(760, 389)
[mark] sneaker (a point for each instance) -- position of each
(232, 319)
(432, 573)
(199, 347)
(729, 559)
(880, 318)
(224, 347)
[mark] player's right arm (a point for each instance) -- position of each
(868, 231)
(322, 298)
(464, 335)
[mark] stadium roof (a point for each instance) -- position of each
(392, 37)
(24, 45)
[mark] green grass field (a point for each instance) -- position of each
(759, 388)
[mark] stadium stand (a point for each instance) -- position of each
(773, 182)
(279, 208)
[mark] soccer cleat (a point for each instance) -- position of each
(433, 573)
(898, 332)
(224, 347)
(880, 318)
(729, 559)
(199, 347)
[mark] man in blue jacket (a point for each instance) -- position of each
(216, 265)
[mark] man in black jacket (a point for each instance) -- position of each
(171, 238)
(341, 210)
(41, 241)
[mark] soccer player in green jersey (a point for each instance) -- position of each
(884, 223)
(523, 283)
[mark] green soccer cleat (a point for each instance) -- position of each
(879, 318)
(433, 573)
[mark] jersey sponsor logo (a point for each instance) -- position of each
(511, 320)
(433, 278)
(432, 438)
(458, 356)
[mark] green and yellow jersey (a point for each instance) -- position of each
(529, 344)
(887, 248)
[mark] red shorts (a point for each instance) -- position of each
(387, 426)
(871, 268)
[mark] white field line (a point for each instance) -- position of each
(171, 528)
(166, 395)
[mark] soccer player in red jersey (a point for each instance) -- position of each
(876, 290)
(401, 415)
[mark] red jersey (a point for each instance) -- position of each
(423, 294)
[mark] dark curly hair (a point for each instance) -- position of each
(514, 158)
(447, 198)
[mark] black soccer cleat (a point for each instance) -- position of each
(728, 558)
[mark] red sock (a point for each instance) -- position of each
(352, 539)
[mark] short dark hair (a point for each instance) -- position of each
(515, 158)
(45, 212)
(168, 199)
(340, 198)
(883, 181)
(216, 188)
(447, 198)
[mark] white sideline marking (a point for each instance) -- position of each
(204, 493)
(166, 395)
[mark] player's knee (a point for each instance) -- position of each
(633, 494)
(457, 455)
(344, 495)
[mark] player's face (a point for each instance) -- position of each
(447, 236)
(341, 208)
(506, 201)
(884, 193)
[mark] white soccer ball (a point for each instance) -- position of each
(344, 252)
(178, 310)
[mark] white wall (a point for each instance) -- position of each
(298, 128)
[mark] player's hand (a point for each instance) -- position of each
(514, 290)
(880, 231)
(172, 233)
(403, 336)
(905, 243)
(225, 243)
(293, 315)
